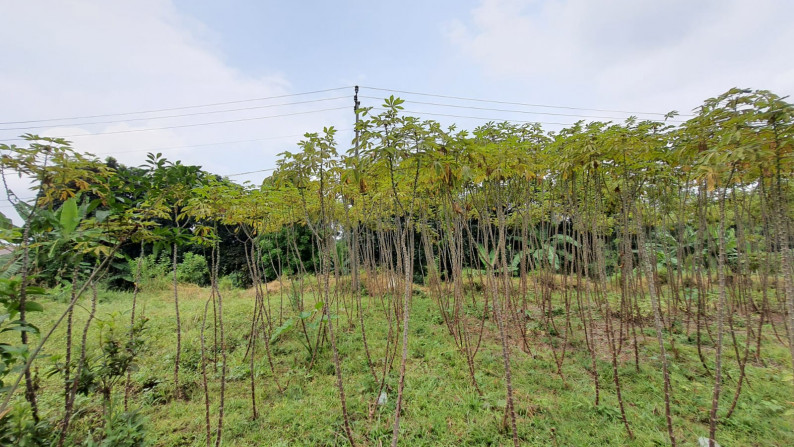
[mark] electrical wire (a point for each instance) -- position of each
(181, 115)
(219, 143)
(249, 172)
(514, 111)
(170, 109)
(480, 117)
(192, 125)
(461, 98)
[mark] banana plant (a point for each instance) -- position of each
(14, 356)
(489, 260)
(552, 249)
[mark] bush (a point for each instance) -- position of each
(18, 428)
(154, 271)
(125, 429)
(193, 270)
(153, 266)
(234, 280)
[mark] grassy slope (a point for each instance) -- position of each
(441, 407)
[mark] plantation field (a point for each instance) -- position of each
(608, 284)
(440, 405)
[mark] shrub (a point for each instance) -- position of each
(193, 270)
(154, 271)
(234, 280)
(123, 429)
(18, 428)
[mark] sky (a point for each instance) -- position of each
(230, 85)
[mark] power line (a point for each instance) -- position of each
(179, 115)
(170, 109)
(202, 145)
(249, 172)
(514, 111)
(479, 117)
(158, 149)
(461, 98)
(192, 125)
(219, 143)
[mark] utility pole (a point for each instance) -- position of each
(354, 241)
(355, 110)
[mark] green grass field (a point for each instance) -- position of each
(441, 407)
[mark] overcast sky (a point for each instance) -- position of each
(81, 58)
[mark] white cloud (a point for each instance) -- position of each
(629, 53)
(65, 58)
(74, 58)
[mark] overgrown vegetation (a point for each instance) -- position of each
(609, 283)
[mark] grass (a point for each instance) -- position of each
(441, 407)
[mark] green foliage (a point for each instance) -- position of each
(440, 394)
(595, 182)
(9, 234)
(343, 256)
(290, 323)
(232, 281)
(122, 429)
(69, 218)
(193, 269)
(551, 251)
(294, 298)
(17, 428)
(119, 352)
(157, 270)
(154, 271)
(288, 251)
(13, 355)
